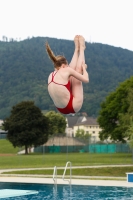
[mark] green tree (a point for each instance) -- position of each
(1, 127)
(80, 133)
(125, 119)
(26, 126)
(130, 134)
(116, 111)
(57, 122)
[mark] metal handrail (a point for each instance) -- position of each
(55, 174)
(70, 172)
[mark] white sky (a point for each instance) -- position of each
(103, 21)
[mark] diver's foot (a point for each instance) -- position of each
(82, 42)
(76, 41)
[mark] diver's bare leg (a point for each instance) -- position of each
(73, 63)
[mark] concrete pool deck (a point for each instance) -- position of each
(60, 181)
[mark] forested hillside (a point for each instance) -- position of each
(25, 66)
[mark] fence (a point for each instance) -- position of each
(91, 148)
(3, 136)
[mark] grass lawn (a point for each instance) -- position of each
(60, 159)
(6, 147)
(106, 171)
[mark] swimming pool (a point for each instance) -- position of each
(65, 192)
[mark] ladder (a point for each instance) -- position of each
(55, 175)
(69, 180)
(63, 177)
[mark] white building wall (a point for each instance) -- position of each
(89, 129)
(69, 132)
(1, 122)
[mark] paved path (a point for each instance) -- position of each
(73, 167)
(66, 177)
(52, 168)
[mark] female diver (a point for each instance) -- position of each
(65, 83)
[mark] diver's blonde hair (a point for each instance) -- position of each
(57, 60)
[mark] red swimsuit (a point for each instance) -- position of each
(69, 108)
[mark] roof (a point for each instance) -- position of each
(2, 131)
(72, 120)
(88, 122)
(63, 141)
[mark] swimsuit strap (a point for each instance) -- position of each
(66, 85)
(53, 75)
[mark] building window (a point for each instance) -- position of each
(90, 126)
(93, 132)
(87, 132)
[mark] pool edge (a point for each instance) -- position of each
(60, 181)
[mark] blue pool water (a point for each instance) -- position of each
(65, 192)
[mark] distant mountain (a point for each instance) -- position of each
(25, 66)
